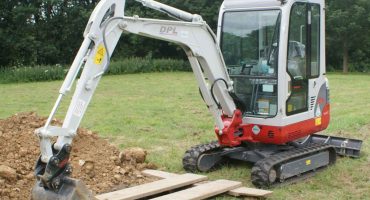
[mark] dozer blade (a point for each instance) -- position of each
(71, 189)
(343, 146)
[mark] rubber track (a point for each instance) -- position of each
(190, 159)
(261, 169)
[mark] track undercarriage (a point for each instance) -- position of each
(275, 164)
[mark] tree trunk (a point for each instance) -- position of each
(345, 56)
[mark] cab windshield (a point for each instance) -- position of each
(249, 42)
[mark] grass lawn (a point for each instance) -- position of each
(163, 113)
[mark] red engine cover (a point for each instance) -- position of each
(234, 132)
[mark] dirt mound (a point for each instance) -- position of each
(100, 165)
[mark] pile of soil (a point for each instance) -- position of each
(100, 165)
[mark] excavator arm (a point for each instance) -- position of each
(101, 36)
(200, 45)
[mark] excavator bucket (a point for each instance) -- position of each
(71, 189)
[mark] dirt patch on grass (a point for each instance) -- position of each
(99, 164)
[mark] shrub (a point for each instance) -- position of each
(58, 72)
(32, 74)
(144, 65)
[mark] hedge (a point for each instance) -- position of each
(58, 72)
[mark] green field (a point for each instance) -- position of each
(163, 113)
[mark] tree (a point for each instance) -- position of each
(41, 31)
(36, 32)
(348, 30)
(17, 33)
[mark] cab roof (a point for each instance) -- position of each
(235, 4)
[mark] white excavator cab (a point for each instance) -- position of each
(275, 54)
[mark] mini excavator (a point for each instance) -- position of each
(262, 77)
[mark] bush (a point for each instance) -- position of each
(125, 66)
(32, 74)
(144, 65)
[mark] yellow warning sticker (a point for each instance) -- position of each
(318, 121)
(100, 53)
(308, 162)
(290, 107)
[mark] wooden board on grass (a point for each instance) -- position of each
(242, 191)
(202, 191)
(153, 188)
(252, 192)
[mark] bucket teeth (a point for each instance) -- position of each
(71, 189)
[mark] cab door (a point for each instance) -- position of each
(303, 62)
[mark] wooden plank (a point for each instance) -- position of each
(163, 175)
(203, 191)
(243, 191)
(153, 188)
(252, 192)
(158, 173)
